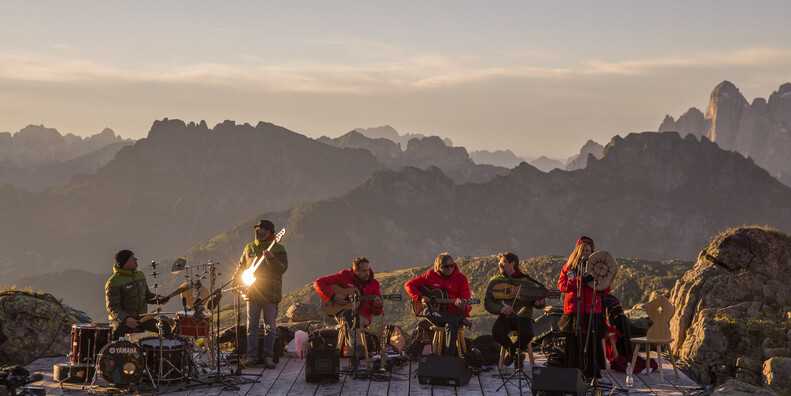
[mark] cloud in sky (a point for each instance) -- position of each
(417, 72)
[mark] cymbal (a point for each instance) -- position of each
(184, 286)
(179, 265)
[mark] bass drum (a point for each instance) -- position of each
(121, 363)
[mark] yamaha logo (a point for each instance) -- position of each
(123, 350)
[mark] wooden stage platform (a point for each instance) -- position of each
(289, 379)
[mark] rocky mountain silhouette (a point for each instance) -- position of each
(389, 133)
(652, 195)
(169, 191)
(37, 157)
(421, 153)
(760, 130)
(504, 158)
(581, 160)
(546, 164)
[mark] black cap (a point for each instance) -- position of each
(266, 224)
(122, 256)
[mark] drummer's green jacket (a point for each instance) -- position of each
(126, 294)
(494, 305)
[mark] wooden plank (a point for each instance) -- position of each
(489, 381)
(399, 380)
(471, 389)
(302, 387)
(269, 377)
(287, 377)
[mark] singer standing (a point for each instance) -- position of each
(265, 293)
(577, 311)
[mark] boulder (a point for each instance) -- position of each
(35, 325)
(301, 312)
(728, 306)
(777, 374)
(734, 387)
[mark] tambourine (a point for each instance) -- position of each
(603, 266)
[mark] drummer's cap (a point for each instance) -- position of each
(122, 256)
(265, 224)
(587, 240)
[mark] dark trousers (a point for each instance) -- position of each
(575, 345)
(150, 325)
(503, 325)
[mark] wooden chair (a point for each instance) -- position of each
(344, 340)
(513, 334)
(438, 342)
(660, 311)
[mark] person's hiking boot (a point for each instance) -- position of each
(249, 362)
(520, 363)
(269, 363)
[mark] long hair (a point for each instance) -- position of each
(441, 260)
(574, 258)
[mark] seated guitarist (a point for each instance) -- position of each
(517, 314)
(444, 276)
(359, 276)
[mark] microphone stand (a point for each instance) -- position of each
(578, 322)
(518, 362)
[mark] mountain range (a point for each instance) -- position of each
(652, 195)
(760, 130)
(37, 157)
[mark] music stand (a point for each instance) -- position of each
(354, 367)
(519, 371)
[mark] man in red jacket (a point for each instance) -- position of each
(445, 276)
(359, 276)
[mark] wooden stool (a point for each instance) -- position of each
(514, 335)
(343, 338)
(438, 342)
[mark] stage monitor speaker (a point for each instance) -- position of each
(443, 370)
(322, 364)
(558, 381)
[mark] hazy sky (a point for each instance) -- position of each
(533, 77)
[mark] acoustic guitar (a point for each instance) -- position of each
(438, 300)
(507, 291)
(352, 300)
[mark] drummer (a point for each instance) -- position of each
(126, 295)
(574, 282)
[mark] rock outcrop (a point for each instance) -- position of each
(35, 326)
(732, 310)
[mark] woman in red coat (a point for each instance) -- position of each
(584, 303)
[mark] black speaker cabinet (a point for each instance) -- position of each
(558, 381)
(443, 370)
(322, 364)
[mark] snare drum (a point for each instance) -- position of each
(188, 326)
(174, 359)
(121, 363)
(86, 342)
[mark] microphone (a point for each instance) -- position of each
(584, 259)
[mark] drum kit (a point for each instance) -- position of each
(156, 357)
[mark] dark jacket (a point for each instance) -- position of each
(456, 285)
(347, 279)
(126, 294)
(268, 285)
(493, 305)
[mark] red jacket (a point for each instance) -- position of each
(569, 287)
(346, 279)
(456, 285)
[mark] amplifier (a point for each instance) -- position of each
(558, 381)
(322, 364)
(443, 370)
